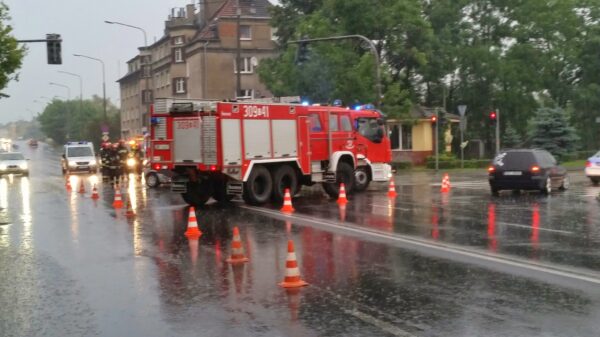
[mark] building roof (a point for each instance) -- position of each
(250, 9)
(420, 112)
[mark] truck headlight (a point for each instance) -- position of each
(131, 162)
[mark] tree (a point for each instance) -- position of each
(62, 118)
(11, 55)
(510, 137)
(550, 130)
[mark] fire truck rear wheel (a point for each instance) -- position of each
(361, 179)
(197, 193)
(284, 177)
(152, 180)
(344, 174)
(259, 186)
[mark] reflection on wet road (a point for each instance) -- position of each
(72, 266)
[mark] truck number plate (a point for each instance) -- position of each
(253, 111)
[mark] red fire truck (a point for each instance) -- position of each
(257, 149)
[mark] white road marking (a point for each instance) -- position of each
(502, 223)
(545, 272)
(387, 206)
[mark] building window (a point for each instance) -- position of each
(246, 94)
(146, 71)
(179, 85)
(245, 32)
(147, 96)
(178, 40)
(247, 65)
(401, 137)
(274, 34)
(178, 55)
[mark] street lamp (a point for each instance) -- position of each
(80, 88)
(64, 86)
(103, 80)
(68, 110)
(130, 26)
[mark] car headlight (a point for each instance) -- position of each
(72, 163)
(93, 162)
(131, 162)
(23, 166)
(2, 167)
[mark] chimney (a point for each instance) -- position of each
(190, 10)
(210, 7)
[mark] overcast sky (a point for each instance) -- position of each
(81, 25)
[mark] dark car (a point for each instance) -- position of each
(527, 169)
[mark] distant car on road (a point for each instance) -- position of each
(13, 163)
(592, 168)
(33, 143)
(526, 169)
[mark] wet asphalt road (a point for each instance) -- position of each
(70, 266)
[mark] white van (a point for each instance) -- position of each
(79, 157)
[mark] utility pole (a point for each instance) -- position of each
(238, 57)
(461, 110)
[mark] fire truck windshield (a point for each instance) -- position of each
(370, 128)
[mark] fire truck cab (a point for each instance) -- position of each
(258, 149)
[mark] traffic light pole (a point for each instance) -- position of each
(437, 142)
(497, 131)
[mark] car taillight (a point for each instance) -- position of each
(491, 169)
(535, 169)
(588, 164)
(213, 168)
(156, 167)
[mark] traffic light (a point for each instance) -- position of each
(433, 119)
(53, 48)
(493, 117)
(302, 53)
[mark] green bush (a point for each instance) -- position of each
(455, 163)
(403, 165)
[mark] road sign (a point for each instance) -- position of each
(461, 110)
(105, 137)
(464, 144)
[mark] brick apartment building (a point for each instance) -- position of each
(196, 56)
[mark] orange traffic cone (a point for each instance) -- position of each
(118, 202)
(292, 273)
(192, 230)
(81, 187)
(237, 250)
(68, 184)
(129, 212)
(445, 183)
(342, 200)
(392, 190)
(95, 195)
(287, 202)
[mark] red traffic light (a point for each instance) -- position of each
(433, 119)
(493, 115)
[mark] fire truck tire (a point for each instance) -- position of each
(361, 179)
(197, 193)
(259, 186)
(152, 180)
(344, 174)
(284, 177)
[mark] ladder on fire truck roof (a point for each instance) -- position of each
(167, 105)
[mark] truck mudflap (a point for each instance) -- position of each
(235, 188)
(179, 184)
